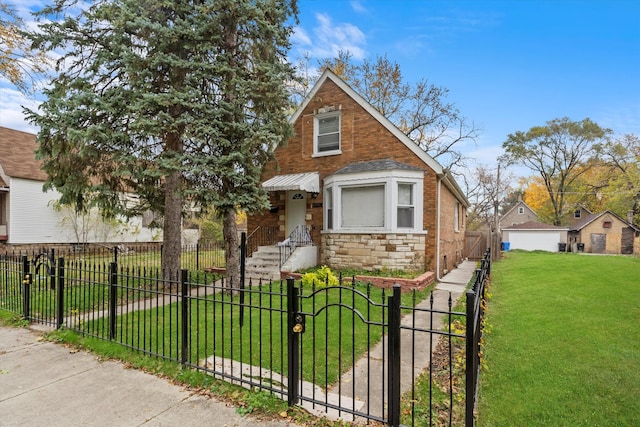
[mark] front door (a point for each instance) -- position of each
(296, 209)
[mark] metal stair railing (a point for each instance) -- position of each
(299, 236)
(261, 236)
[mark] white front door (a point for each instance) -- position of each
(296, 209)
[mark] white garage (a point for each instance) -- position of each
(532, 236)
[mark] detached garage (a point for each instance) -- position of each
(535, 236)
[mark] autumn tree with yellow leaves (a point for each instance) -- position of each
(19, 62)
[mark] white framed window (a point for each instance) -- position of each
(405, 205)
(456, 217)
(577, 214)
(327, 134)
(385, 201)
(328, 201)
(363, 206)
(520, 210)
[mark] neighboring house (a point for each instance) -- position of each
(371, 198)
(577, 216)
(518, 214)
(533, 235)
(605, 233)
(28, 214)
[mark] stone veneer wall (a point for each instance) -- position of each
(393, 251)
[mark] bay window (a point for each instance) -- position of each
(385, 201)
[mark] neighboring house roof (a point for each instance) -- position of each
(517, 205)
(443, 173)
(593, 217)
(581, 206)
(17, 156)
(534, 225)
(375, 165)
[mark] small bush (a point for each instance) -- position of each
(322, 277)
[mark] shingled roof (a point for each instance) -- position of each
(534, 225)
(17, 156)
(376, 165)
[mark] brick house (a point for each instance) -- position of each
(369, 196)
(605, 233)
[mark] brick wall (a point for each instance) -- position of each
(451, 241)
(613, 234)
(363, 138)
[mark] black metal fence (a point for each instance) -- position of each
(349, 351)
(148, 256)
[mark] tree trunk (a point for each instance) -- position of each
(172, 226)
(231, 250)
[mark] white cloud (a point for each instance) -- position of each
(300, 37)
(11, 115)
(329, 39)
(622, 120)
(358, 7)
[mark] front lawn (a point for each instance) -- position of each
(563, 341)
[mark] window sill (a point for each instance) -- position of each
(373, 231)
(328, 153)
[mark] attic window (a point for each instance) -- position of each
(521, 210)
(327, 133)
(577, 214)
(606, 224)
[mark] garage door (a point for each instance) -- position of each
(535, 240)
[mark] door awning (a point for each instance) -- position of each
(309, 182)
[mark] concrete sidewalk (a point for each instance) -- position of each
(42, 383)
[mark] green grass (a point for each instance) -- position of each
(87, 289)
(429, 403)
(262, 340)
(563, 342)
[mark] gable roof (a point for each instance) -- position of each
(17, 156)
(520, 203)
(330, 75)
(534, 225)
(443, 173)
(590, 218)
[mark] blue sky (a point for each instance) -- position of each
(508, 65)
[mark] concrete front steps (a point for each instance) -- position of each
(263, 264)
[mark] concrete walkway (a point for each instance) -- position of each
(42, 383)
(368, 385)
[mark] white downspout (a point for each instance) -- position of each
(438, 231)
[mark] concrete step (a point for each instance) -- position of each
(264, 264)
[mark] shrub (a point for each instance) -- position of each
(321, 277)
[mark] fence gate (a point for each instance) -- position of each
(475, 243)
(29, 286)
(329, 330)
